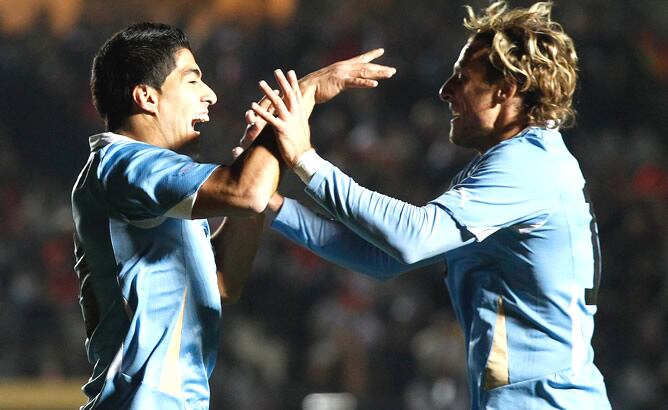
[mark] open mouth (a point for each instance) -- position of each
(199, 119)
(455, 114)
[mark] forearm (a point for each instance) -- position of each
(235, 245)
(336, 243)
(244, 188)
(407, 232)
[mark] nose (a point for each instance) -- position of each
(208, 95)
(445, 93)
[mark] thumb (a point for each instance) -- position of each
(236, 152)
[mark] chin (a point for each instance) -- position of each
(460, 141)
(455, 138)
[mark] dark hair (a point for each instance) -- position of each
(141, 54)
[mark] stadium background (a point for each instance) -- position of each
(303, 325)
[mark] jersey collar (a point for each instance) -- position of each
(98, 141)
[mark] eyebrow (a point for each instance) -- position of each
(189, 71)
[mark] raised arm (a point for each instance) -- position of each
(245, 187)
(358, 72)
(324, 84)
(407, 232)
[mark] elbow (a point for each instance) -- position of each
(230, 295)
(229, 289)
(256, 200)
(230, 298)
(256, 192)
(259, 203)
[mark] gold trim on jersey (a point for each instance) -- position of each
(170, 379)
(496, 370)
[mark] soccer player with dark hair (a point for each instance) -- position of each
(515, 229)
(150, 282)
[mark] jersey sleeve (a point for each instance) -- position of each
(142, 181)
(334, 242)
(407, 232)
(501, 190)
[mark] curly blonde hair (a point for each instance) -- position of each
(528, 48)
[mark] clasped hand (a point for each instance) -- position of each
(289, 117)
(317, 87)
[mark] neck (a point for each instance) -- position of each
(509, 123)
(143, 129)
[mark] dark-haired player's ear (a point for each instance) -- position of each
(145, 98)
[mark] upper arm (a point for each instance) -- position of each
(222, 194)
(143, 182)
(505, 188)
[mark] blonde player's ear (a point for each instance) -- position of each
(505, 91)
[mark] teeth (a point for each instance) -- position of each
(201, 118)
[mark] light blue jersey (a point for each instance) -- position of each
(147, 274)
(520, 244)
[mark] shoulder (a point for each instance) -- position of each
(529, 145)
(128, 158)
(534, 152)
(127, 150)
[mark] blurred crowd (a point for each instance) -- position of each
(304, 326)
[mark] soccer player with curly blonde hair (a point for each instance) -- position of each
(515, 229)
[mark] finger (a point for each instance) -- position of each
(253, 119)
(265, 102)
(294, 83)
(236, 151)
(264, 114)
(373, 71)
(276, 101)
(356, 82)
(250, 117)
(286, 89)
(368, 56)
(250, 134)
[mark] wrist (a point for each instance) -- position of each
(307, 85)
(309, 89)
(307, 164)
(294, 161)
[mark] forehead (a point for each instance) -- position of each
(473, 55)
(185, 62)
